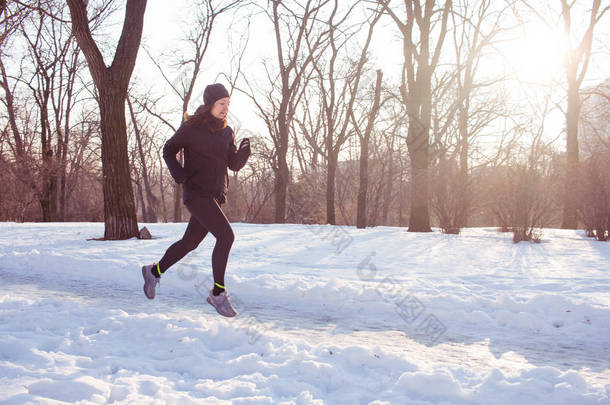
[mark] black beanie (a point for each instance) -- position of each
(214, 92)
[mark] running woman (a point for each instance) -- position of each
(209, 150)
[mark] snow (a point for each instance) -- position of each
(328, 315)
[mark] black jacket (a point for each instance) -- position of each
(207, 155)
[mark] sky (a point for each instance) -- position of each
(534, 53)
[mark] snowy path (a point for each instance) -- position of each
(327, 315)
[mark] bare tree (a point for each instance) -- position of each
(419, 30)
(54, 58)
(153, 202)
(10, 21)
(255, 189)
(595, 184)
(595, 119)
(521, 191)
(365, 138)
(308, 135)
(292, 24)
(576, 64)
(47, 67)
(338, 85)
(594, 191)
(187, 67)
(291, 76)
(480, 24)
(462, 109)
(112, 83)
(10, 18)
(82, 155)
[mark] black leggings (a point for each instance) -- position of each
(206, 215)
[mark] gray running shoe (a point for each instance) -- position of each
(222, 304)
(150, 281)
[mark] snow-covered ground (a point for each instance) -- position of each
(328, 315)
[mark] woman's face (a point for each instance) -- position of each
(220, 109)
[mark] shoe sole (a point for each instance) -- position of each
(144, 287)
(214, 306)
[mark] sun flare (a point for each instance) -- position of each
(537, 55)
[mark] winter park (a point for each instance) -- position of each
(305, 202)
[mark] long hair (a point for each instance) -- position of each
(202, 118)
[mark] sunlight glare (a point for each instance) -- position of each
(536, 56)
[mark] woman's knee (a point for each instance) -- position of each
(228, 236)
(231, 236)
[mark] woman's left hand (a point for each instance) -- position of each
(244, 144)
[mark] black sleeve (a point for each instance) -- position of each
(173, 145)
(237, 158)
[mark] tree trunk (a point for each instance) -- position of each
(10, 107)
(401, 204)
(417, 143)
(463, 186)
(282, 176)
(364, 156)
(376, 203)
(142, 202)
(570, 200)
(162, 189)
(387, 200)
(63, 161)
(364, 183)
(150, 212)
(119, 206)
(463, 130)
(47, 183)
(283, 172)
(178, 195)
(331, 174)
(62, 191)
(53, 193)
(418, 138)
(65, 106)
(419, 63)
